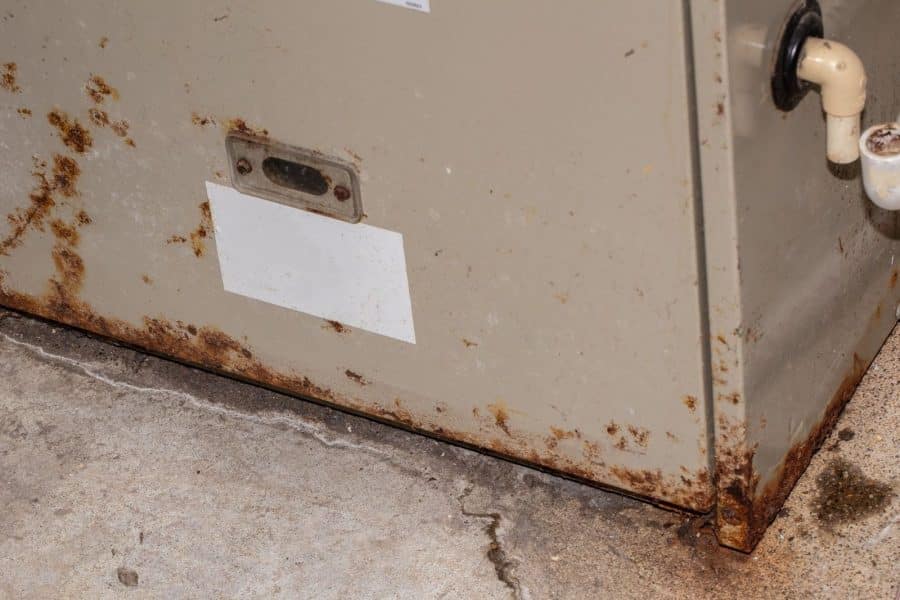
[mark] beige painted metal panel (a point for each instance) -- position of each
(536, 160)
(801, 266)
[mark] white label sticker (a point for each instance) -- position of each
(353, 274)
(421, 5)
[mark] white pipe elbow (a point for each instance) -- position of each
(842, 78)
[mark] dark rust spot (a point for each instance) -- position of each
(8, 78)
(65, 175)
(201, 121)
(97, 88)
(690, 402)
(336, 326)
(71, 132)
(98, 117)
(129, 142)
(354, 376)
(146, 279)
(176, 239)
(103, 42)
(720, 109)
(640, 435)
(893, 281)
(24, 112)
(120, 128)
(241, 126)
(40, 203)
(65, 232)
(500, 416)
(612, 428)
(469, 343)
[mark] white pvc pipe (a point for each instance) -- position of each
(842, 78)
(879, 148)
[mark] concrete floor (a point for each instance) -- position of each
(124, 475)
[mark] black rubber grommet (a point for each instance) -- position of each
(805, 21)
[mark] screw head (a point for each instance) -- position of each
(341, 192)
(243, 166)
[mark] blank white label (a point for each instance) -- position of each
(421, 5)
(353, 274)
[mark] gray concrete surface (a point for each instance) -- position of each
(124, 475)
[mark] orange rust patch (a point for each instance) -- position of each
(146, 279)
(129, 142)
(103, 42)
(24, 112)
(336, 326)
(64, 231)
(469, 343)
(500, 416)
(8, 78)
(41, 201)
(732, 398)
(690, 402)
(240, 125)
(354, 376)
(640, 435)
(612, 428)
(743, 513)
(97, 88)
(71, 132)
(65, 175)
(198, 236)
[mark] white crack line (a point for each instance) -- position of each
(267, 418)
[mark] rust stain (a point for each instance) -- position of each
(354, 376)
(65, 231)
(201, 121)
(336, 326)
(98, 117)
(640, 435)
(612, 428)
(893, 281)
(240, 125)
(103, 42)
(65, 175)
(147, 279)
(500, 416)
(8, 78)
(199, 235)
(24, 112)
(40, 203)
(743, 512)
(469, 343)
(732, 398)
(97, 88)
(690, 402)
(120, 128)
(71, 132)
(129, 142)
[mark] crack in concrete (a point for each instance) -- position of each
(504, 566)
(305, 428)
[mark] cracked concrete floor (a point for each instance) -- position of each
(124, 475)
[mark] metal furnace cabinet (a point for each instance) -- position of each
(577, 235)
